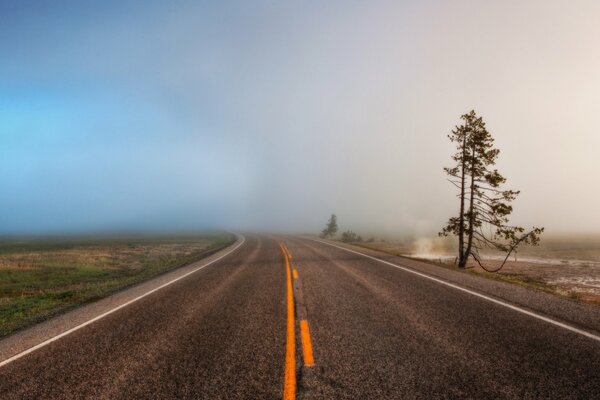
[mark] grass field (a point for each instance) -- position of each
(41, 277)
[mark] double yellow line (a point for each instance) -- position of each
(309, 359)
(289, 383)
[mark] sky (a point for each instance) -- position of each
(270, 115)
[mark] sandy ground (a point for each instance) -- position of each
(569, 266)
(578, 278)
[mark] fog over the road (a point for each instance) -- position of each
(270, 115)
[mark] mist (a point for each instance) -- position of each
(271, 116)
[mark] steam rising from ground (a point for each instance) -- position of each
(428, 247)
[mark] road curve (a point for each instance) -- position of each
(360, 330)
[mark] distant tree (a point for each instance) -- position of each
(482, 221)
(331, 228)
(350, 236)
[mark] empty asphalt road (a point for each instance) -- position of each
(291, 317)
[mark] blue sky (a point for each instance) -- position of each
(271, 115)
(94, 133)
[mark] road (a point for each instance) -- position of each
(290, 317)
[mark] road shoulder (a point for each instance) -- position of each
(23, 340)
(577, 314)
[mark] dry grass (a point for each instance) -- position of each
(42, 277)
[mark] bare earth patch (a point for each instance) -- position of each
(568, 266)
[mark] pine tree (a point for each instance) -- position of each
(484, 209)
(331, 228)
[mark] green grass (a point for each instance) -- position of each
(40, 278)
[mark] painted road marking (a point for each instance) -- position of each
(287, 252)
(55, 338)
(289, 382)
(307, 352)
(481, 296)
(295, 273)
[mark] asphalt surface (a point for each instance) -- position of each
(217, 334)
(376, 332)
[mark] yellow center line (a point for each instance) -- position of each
(307, 352)
(287, 252)
(289, 383)
(295, 273)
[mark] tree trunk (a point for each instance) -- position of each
(471, 211)
(461, 228)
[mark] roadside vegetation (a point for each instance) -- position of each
(351, 237)
(485, 240)
(331, 228)
(563, 266)
(40, 278)
(482, 221)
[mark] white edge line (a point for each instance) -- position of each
(65, 333)
(482, 296)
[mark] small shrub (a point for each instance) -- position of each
(350, 236)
